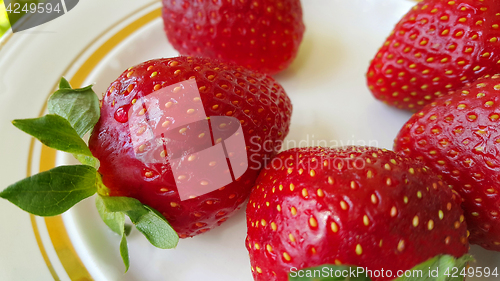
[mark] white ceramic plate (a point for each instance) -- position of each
(94, 43)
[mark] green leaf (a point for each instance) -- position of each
(55, 132)
(79, 106)
(439, 268)
(128, 229)
(73, 113)
(122, 204)
(53, 192)
(114, 220)
(64, 84)
(87, 160)
(147, 220)
(157, 230)
(124, 251)
(327, 273)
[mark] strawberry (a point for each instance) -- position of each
(262, 35)
(438, 46)
(176, 145)
(356, 206)
(458, 136)
(257, 101)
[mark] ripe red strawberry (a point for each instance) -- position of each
(257, 101)
(356, 206)
(458, 136)
(262, 35)
(440, 45)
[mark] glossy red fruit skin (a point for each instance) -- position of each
(262, 35)
(438, 46)
(458, 136)
(330, 203)
(260, 104)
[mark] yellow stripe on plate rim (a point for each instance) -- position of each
(55, 226)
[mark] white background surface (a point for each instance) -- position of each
(326, 84)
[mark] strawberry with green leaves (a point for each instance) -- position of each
(263, 35)
(440, 45)
(458, 136)
(156, 119)
(254, 100)
(353, 206)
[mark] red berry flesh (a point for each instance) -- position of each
(356, 206)
(458, 136)
(263, 35)
(437, 47)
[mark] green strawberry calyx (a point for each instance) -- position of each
(72, 114)
(439, 268)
